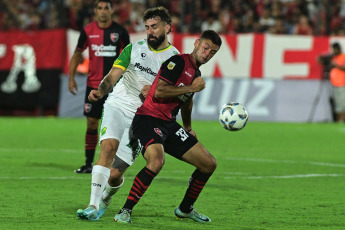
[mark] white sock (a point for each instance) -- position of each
(100, 176)
(109, 191)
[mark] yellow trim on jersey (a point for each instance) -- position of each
(161, 50)
(120, 67)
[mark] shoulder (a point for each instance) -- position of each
(175, 50)
(177, 59)
(119, 27)
(175, 62)
(90, 25)
(141, 42)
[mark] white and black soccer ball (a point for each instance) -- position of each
(233, 116)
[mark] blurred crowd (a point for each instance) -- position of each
(303, 17)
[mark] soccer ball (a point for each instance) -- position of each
(233, 116)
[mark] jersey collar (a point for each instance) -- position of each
(161, 50)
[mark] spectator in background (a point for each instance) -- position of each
(265, 20)
(211, 23)
(278, 27)
(303, 26)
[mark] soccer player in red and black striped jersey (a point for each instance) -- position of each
(157, 131)
(105, 40)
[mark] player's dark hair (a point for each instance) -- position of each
(213, 36)
(159, 11)
(336, 45)
(107, 1)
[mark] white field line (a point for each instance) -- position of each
(177, 177)
(286, 161)
(287, 176)
(41, 150)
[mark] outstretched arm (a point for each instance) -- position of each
(107, 84)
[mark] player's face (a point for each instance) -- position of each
(156, 31)
(205, 49)
(103, 12)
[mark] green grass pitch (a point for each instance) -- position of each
(269, 176)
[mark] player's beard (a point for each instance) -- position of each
(157, 41)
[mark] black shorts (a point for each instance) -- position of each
(93, 109)
(174, 138)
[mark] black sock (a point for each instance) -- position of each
(196, 184)
(91, 139)
(141, 182)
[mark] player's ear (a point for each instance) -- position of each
(167, 28)
(196, 43)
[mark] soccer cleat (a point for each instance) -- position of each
(102, 208)
(84, 169)
(194, 215)
(124, 216)
(90, 213)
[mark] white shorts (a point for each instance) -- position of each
(116, 123)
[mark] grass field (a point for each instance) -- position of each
(269, 176)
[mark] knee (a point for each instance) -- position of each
(108, 151)
(210, 166)
(156, 164)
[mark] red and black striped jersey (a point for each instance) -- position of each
(105, 45)
(179, 70)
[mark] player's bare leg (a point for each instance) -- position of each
(205, 165)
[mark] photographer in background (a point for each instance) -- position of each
(334, 68)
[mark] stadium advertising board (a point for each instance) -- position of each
(262, 56)
(30, 68)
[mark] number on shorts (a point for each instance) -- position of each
(182, 134)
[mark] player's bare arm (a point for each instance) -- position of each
(106, 85)
(186, 114)
(164, 90)
(75, 60)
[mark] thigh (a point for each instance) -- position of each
(128, 149)
(113, 124)
(93, 109)
(147, 131)
(179, 141)
(200, 158)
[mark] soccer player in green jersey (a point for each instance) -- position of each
(133, 72)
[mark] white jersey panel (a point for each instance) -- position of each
(142, 70)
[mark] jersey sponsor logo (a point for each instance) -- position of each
(104, 51)
(145, 69)
(87, 107)
(188, 74)
(158, 131)
(114, 37)
(94, 36)
(171, 65)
